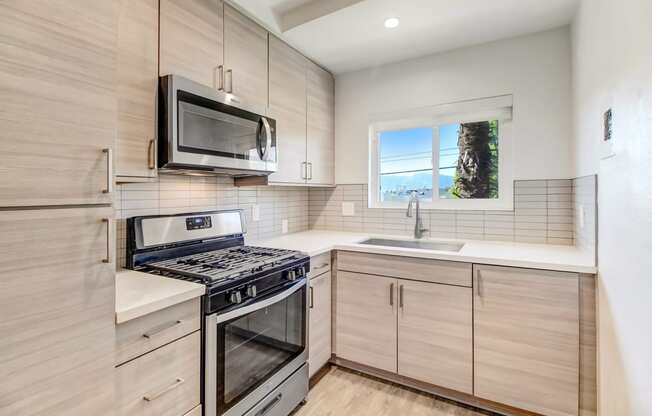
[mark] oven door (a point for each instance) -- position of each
(253, 349)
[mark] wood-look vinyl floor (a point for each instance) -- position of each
(343, 392)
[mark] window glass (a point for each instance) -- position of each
(406, 164)
(468, 160)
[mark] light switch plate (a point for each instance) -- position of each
(255, 212)
(284, 226)
(348, 209)
(580, 216)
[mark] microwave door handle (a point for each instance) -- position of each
(262, 303)
(268, 135)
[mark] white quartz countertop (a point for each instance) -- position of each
(535, 256)
(137, 293)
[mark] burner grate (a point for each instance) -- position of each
(223, 264)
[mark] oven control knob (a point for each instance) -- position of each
(251, 291)
(236, 297)
(302, 271)
(292, 275)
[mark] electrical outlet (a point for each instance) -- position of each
(255, 212)
(580, 216)
(284, 226)
(348, 209)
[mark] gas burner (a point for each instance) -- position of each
(228, 263)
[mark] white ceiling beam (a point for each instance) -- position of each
(311, 11)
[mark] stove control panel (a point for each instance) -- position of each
(198, 223)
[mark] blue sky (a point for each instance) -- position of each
(404, 150)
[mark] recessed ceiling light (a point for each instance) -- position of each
(391, 23)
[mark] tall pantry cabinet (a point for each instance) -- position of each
(58, 115)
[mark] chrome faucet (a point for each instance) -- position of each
(418, 225)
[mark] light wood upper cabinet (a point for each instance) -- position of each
(245, 58)
(320, 126)
(366, 319)
(319, 350)
(435, 334)
(287, 105)
(137, 74)
(58, 311)
(58, 107)
(526, 325)
(192, 39)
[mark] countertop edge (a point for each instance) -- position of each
(561, 267)
(126, 315)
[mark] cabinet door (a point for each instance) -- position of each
(58, 107)
(245, 58)
(287, 105)
(366, 319)
(526, 349)
(137, 74)
(319, 350)
(435, 334)
(191, 39)
(321, 126)
(58, 312)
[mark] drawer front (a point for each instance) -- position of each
(194, 412)
(320, 264)
(414, 268)
(164, 382)
(139, 336)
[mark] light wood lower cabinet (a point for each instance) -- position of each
(164, 382)
(58, 109)
(367, 308)
(319, 344)
(58, 310)
(526, 325)
(435, 334)
(137, 82)
(142, 335)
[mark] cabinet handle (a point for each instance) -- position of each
(154, 396)
(400, 296)
(312, 297)
(478, 283)
(230, 73)
(391, 294)
(151, 159)
(220, 77)
(109, 171)
(161, 329)
(309, 164)
(304, 170)
(107, 221)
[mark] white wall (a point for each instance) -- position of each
(613, 67)
(536, 69)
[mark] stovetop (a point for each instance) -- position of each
(213, 267)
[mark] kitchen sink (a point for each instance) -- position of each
(422, 245)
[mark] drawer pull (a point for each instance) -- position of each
(152, 397)
(322, 266)
(160, 329)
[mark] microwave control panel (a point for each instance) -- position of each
(198, 223)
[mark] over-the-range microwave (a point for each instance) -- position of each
(203, 130)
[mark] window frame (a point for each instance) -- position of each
(505, 200)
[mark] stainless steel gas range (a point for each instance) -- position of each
(255, 307)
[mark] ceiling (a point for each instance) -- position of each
(346, 35)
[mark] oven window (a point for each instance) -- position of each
(207, 131)
(255, 346)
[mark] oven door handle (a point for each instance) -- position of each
(263, 303)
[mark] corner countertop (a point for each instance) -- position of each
(534, 256)
(138, 294)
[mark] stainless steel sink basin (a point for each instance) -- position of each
(422, 245)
